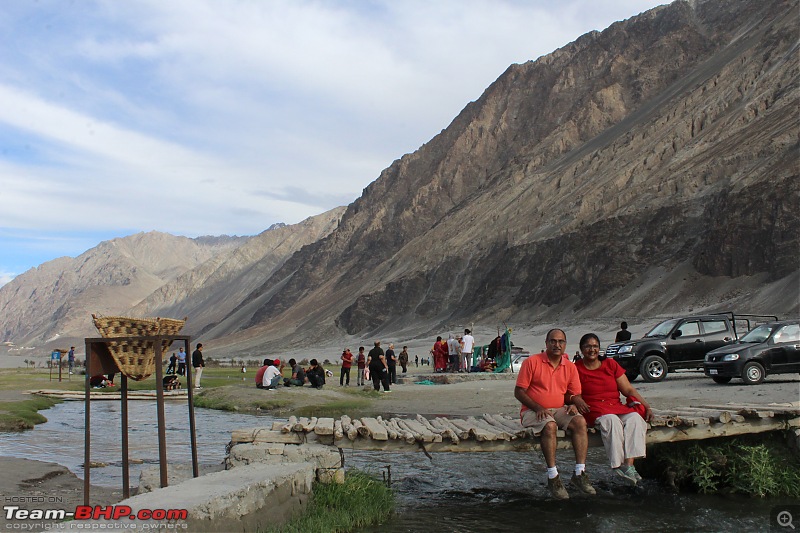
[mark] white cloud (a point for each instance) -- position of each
(204, 117)
(5, 277)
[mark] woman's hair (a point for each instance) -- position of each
(314, 362)
(585, 339)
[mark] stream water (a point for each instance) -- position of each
(480, 492)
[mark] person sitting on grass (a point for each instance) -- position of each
(316, 374)
(171, 382)
(272, 376)
(100, 381)
(260, 373)
(298, 378)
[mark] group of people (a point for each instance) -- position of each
(270, 375)
(454, 354)
(556, 393)
(177, 366)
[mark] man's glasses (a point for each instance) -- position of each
(560, 342)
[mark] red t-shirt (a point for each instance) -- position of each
(347, 360)
(260, 374)
(600, 390)
(362, 360)
(547, 385)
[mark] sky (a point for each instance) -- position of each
(211, 117)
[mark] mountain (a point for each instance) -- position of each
(646, 169)
(216, 288)
(55, 300)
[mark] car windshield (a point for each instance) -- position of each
(663, 329)
(759, 334)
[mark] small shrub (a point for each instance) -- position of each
(360, 501)
(763, 469)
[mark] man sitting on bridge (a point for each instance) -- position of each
(544, 382)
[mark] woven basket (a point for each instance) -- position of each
(136, 358)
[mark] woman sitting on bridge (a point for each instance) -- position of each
(623, 427)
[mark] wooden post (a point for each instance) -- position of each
(87, 435)
(126, 476)
(162, 431)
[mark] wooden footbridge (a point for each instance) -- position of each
(494, 433)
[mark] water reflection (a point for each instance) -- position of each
(60, 439)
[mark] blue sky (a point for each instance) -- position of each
(201, 117)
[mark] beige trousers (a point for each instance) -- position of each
(623, 436)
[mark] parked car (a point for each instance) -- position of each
(679, 343)
(772, 348)
(517, 359)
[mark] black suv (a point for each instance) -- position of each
(678, 343)
(772, 348)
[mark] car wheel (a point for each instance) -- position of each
(753, 373)
(653, 368)
(721, 379)
(631, 375)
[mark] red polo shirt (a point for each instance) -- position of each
(546, 385)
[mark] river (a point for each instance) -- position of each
(480, 492)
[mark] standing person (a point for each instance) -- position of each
(361, 361)
(437, 351)
(71, 358)
(623, 334)
(416, 361)
(403, 359)
(198, 364)
(545, 381)
(173, 360)
(623, 428)
(469, 345)
(378, 370)
(347, 362)
(181, 362)
(391, 364)
(453, 352)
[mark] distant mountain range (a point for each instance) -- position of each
(644, 170)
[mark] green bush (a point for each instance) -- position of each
(360, 501)
(739, 465)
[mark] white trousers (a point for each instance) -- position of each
(198, 371)
(623, 436)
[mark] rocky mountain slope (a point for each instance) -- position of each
(666, 143)
(644, 170)
(56, 299)
(217, 287)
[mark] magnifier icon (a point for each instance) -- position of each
(785, 519)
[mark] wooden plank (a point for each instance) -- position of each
(375, 429)
(338, 432)
(446, 422)
(298, 426)
(312, 423)
(290, 424)
(403, 433)
(324, 426)
(418, 429)
(360, 429)
(239, 436)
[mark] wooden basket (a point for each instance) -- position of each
(136, 358)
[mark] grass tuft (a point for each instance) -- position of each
(360, 501)
(22, 415)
